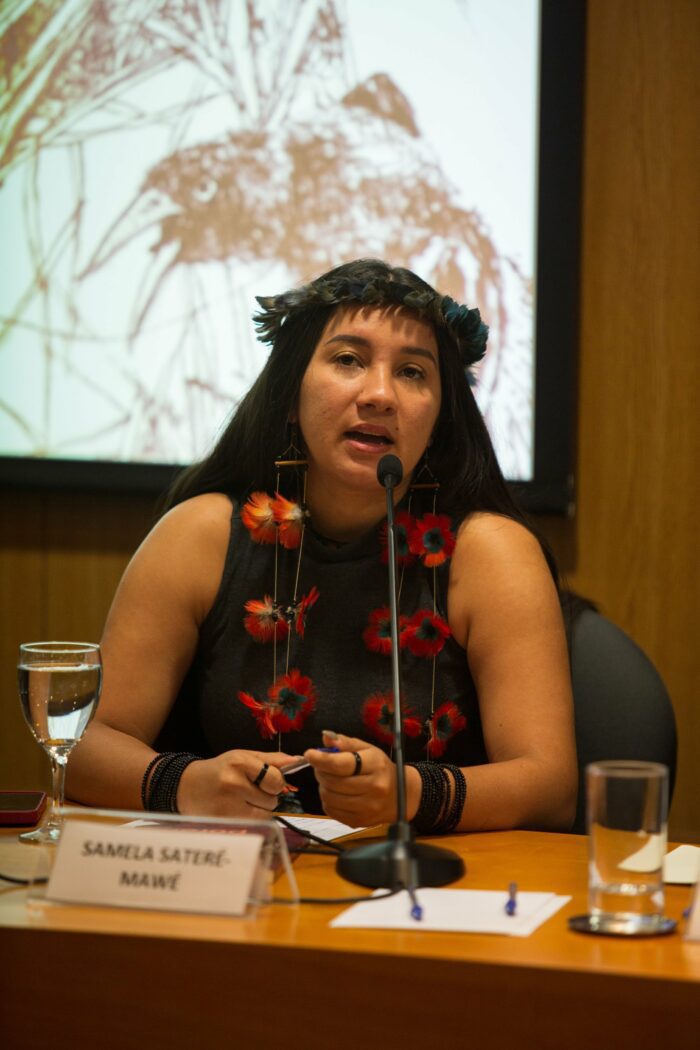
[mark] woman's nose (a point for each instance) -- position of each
(378, 390)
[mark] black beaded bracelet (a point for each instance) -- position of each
(453, 811)
(160, 792)
(144, 782)
(440, 807)
(166, 780)
(163, 780)
(432, 798)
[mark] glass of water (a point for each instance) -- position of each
(627, 807)
(59, 689)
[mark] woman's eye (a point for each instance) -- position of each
(412, 372)
(346, 360)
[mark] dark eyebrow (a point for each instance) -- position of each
(358, 340)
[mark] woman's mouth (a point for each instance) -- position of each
(368, 440)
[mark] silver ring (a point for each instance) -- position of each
(358, 764)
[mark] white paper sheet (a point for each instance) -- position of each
(682, 865)
(459, 911)
(323, 828)
(648, 858)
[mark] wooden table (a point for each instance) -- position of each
(76, 976)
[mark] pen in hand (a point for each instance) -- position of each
(302, 763)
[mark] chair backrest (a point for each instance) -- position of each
(621, 706)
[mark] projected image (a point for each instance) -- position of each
(161, 163)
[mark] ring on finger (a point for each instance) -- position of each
(261, 775)
(358, 764)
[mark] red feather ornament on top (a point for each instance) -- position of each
(294, 698)
(258, 517)
(378, 716)
(267, 519)
(432, 539)
(425, 633)
(290, 520)
(263, 713)
(444, 724)
(265, 620)
(377, 633)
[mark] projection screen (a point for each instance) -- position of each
(164, 162)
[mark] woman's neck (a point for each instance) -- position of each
(345, 516)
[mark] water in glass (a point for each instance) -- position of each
(59, 688)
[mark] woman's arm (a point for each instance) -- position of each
(148, 644)
(504, 609)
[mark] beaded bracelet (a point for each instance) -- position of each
(159, 794)
(452, 813)
(440, 808)
(165, 781)
(144, 782)
(432, 797)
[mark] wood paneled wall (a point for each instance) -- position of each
(61, 558)
(632, 545)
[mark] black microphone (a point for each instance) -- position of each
(398, 863)
(389, 472)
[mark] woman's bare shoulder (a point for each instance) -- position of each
(494, 536)
(182, 558)
(498, 572)
(208, 516)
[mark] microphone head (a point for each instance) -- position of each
(389, 471)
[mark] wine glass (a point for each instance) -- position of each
(59, 687)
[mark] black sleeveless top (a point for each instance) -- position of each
(352, 580)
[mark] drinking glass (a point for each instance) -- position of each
(59, 688)
(627, 805)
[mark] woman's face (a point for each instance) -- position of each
(371, 387)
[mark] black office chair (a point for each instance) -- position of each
(621, 706)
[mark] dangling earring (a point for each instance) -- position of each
(292, 456)
(275, 519)
(424, 479)
(291, 521)
(291, 517)
(446, 720)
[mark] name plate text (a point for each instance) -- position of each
(155, 867)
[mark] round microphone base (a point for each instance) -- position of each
(376, 865)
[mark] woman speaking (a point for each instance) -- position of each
(252, 625)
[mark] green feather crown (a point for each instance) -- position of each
(464, 325)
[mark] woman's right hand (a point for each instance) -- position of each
(224, 786)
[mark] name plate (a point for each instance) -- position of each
(149, 867)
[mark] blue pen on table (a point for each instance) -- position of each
(416, 909)
(512, 902)
(296, 767)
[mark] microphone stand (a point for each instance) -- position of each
(399, 862)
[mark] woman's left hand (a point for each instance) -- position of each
(359, 791)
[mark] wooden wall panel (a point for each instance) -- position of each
(632, 545)
(22, 617)
(61, 557)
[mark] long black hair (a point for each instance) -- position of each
(461, 455)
